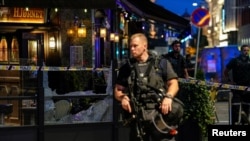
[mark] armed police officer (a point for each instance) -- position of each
(177, 60)
(151, 84)
(240, 67)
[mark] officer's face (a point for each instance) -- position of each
(177, 48)
(137, 47)
(245, 51)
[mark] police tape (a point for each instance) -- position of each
(48, 68)
(72, 68)
(214, 84)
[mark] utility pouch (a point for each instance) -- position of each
(148, 114)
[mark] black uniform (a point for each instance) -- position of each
(240, 67)
(162, 70)
(178, 63)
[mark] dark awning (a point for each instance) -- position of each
(102, 4)
(149, 10)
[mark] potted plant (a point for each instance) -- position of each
(78, 81)
(198, 110)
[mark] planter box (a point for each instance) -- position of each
(189, 131)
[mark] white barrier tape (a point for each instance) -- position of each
(53, 68)
(48, 68)
(212, 84)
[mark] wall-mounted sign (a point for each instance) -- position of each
(21, 15)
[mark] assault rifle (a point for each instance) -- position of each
(136, 115)
(139, 114)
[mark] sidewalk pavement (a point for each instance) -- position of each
(222, 111)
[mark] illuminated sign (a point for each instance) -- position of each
(22, 15)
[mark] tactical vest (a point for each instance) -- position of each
(146, 79)
(149, 88)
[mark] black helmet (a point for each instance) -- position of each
(167, 124)
(175, 116)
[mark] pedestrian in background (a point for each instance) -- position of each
(240, 67)
(177, 60)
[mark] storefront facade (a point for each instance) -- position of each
(36, 35)
(42, 55)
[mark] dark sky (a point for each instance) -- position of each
(178, 6)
